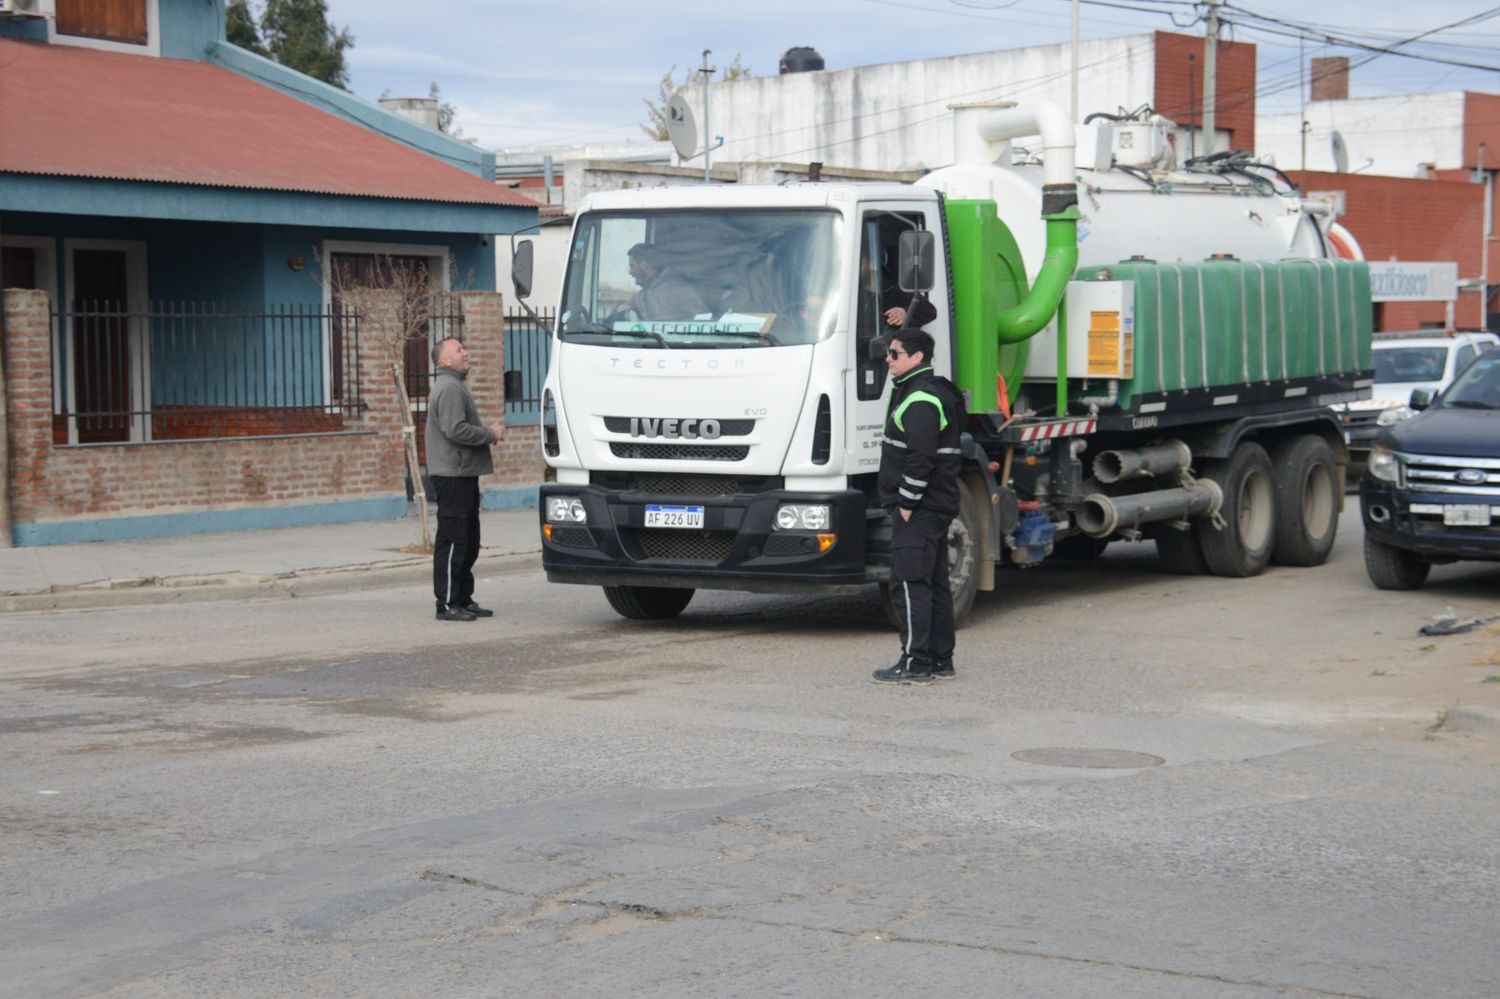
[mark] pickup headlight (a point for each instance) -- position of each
(1393, 416)
(1383, 464)
(803, 517)
(566, 510)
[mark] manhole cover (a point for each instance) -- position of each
(1099, 759)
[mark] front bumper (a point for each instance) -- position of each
(1413, 520)
(737, 549)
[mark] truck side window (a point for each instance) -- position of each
(879, 244)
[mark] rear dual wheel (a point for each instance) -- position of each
(1243, 546)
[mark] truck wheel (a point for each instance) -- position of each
(1243, 546)
(647, 603)
(1308, 486)
(1180, 552)
(963, 566)
(1393, 568)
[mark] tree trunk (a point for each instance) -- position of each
(409, 436)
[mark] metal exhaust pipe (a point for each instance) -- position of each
(1100, 516)
(1167, 458)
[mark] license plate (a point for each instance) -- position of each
(1465, 515)
(685, 517)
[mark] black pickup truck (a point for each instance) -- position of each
(1431, 488)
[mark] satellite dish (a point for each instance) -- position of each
(1340, 153)
(681, 128)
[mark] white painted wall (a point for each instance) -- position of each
(551, 257)
(894, 116)
(1399, 133)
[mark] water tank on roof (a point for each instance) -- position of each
(802, 59)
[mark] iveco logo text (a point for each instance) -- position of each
(707, 430)
(1471, 476)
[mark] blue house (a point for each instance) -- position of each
(186, 206)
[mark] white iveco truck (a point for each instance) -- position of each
(1145, 350)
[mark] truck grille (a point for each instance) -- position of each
(727, 428)
(700, 546)
(1441, 474)
(685, 483)
(679, 452)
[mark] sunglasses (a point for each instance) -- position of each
(893, 353)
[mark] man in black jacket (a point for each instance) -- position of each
(918, 484)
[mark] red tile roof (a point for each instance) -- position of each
(75, 112)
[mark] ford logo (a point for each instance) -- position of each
(1471, 477)
(707, 430)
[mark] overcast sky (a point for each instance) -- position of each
(562, 72)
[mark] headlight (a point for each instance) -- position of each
(1393, 416)
(566, 510)
(1382, 464)
(803, 517)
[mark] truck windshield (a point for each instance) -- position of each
(702, 279)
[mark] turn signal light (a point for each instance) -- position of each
(547, 531)
(825, 542)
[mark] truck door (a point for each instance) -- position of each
(876, 292)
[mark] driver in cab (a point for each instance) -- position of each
(664, 294)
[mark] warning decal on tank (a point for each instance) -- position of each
(1110, 345)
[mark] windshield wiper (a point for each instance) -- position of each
(764, 338)
(1469, 404)
(606, 331)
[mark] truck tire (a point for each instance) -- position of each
(1393, 568)
(647, 603)
(1308, 486)
(1180, 552)
(1243, 546)
(963, 565)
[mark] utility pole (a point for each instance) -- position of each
(1074, 85)
(706, 72)
(1210, 73)
(1302, 101)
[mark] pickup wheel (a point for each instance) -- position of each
(1392, 568)
(1243, 546)
(647, 603)
(1180, 552)
(1308, 486)
(963, 565)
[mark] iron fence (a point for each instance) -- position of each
(195, 370)
(528, 344)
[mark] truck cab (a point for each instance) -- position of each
(714, 346)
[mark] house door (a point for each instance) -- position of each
(100, 347)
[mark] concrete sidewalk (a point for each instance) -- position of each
(240, 564)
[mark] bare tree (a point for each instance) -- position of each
(403, 321)
(655, 126)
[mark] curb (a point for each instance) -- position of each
(151, 590)
(1473, 721)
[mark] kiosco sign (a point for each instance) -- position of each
(1413, 281)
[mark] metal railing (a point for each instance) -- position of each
(195, 370)
(528, 345)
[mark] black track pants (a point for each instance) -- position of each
(919, 583)
(457, 545)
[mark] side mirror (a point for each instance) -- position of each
(515, 385)
(520, 268)
(1420, 398)
(917, 261)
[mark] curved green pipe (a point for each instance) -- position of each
(1036, 310)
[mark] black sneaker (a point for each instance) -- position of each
(943, 669)
(904, 672)
(455, 614)
(477, 610)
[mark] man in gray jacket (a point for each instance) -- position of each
(458, 453)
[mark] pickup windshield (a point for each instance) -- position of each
(702, 279)
(1479, 385)
(1410, 364)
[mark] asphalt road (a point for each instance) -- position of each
(1139, 785)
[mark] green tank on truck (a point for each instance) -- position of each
(1147, 351)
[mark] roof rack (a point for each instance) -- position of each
(1412, 334)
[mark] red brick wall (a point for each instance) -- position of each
(1179, 87)
(1398, 218)
(58, 483)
